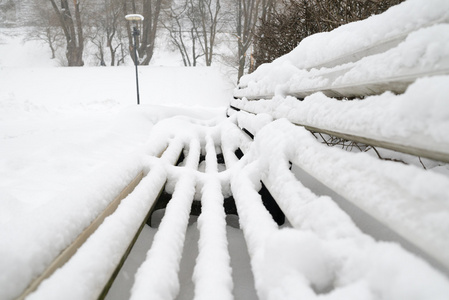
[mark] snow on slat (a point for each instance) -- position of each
(100, 255)
(334, 233)
(231, 139)
(212, 273)
(393, 70)
(411, 201)
(354, 45)
(413, 121)
(211, 156)
(56, 225)
(415, 213)
(93, 264)
(255, 221)
(253, 123)
(173, 151)
(326, 252)
(372, 35)
(157, 277)
(279, 272)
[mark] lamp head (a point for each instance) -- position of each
(134, 17)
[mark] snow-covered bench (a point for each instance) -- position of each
(314, 218)
(382, 82)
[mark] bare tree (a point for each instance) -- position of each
(177, 22)
(105, 29)
(114, 19)
(193, 26)
(98, 38)
(45, 27)
(73, 30)
(205, 22)
(123, 53)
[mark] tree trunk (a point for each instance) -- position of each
(73, 31)
(151, 19)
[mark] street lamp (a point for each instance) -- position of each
(135, 18)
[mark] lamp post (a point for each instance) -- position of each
(135, 18)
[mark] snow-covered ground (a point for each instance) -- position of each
(72, 138)
(60, 123)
